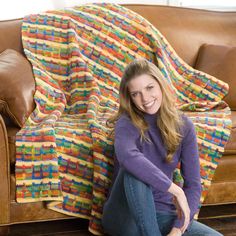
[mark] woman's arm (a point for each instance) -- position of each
(190, 171)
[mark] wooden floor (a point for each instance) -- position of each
(70, 227)
(78, 227)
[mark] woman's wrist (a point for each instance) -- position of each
(175, 190)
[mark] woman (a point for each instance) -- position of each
(151, 138)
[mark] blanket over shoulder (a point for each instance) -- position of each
(64, 151)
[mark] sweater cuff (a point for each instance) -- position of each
(164, 187)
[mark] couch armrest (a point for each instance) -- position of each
(4, 175)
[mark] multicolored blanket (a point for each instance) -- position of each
(65, 150)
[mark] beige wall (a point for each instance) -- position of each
(12, 9)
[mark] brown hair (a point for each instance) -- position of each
(169, 119)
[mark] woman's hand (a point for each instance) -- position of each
(181, 205)
(178, 209)
(175, 232)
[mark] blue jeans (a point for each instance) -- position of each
(130, 211)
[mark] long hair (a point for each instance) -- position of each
(169, 118)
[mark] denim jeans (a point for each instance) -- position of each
(130, 211)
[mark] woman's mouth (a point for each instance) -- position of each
(149, 104)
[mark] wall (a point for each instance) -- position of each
(12, 9)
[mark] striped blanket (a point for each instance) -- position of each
(65, 150)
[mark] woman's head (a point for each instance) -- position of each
(144, 89)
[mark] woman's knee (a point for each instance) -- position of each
(138, 186)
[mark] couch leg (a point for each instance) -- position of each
(4, 230)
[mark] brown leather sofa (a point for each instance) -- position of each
(204, 39)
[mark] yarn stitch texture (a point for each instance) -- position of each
(64, 152)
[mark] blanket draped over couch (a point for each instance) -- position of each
(65, 151)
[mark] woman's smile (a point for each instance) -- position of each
(145, 93)
(149, 104)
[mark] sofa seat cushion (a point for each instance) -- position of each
(17, 86)
(221, 193)
(220, 61)
(223, 183)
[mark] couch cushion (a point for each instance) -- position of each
(223, 183)
(220, 61)
(17, 86)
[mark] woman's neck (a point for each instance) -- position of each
(151, 119)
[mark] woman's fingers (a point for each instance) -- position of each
(185, 211)
(175, 232)
(182, 203)
(178, 209)
(186, 220)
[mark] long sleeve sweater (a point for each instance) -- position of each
(147, 161)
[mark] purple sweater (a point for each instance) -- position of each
(146, 161)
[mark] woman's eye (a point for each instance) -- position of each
(134, 95)
(149, 87)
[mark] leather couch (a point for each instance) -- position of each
(204, 39)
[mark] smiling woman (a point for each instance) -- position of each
(186, 29)
(143, 189)
(146, 93)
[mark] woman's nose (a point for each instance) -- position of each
(144, 97)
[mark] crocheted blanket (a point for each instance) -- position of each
(64, 151)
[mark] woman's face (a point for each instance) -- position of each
(146, 93)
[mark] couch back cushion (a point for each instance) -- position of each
(17, 86)
(187, 29)
(220, 61)
(10, 35)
